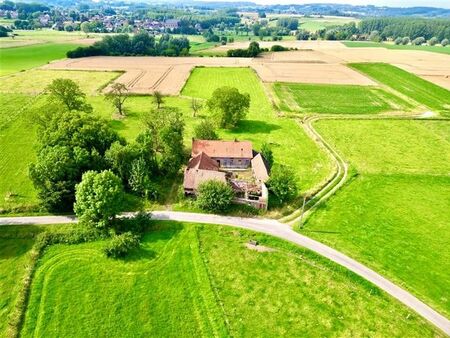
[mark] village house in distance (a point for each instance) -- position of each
(231, 162)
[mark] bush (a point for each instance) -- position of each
(214, 196)
(418, 41)
(282, 183)
(433, 41)
(278, 48)
(398, 41)
(444, 42)
(405, 40)
(121, 245)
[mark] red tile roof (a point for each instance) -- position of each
(226, 149)
(204, 162)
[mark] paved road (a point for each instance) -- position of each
(283, 231)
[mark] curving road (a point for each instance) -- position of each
(283, 231)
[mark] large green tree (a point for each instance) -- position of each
(229, 106)
(117, 96)
(67, 93)
(99, 198)
(69, 144)
(165, 126)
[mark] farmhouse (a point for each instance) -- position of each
(232, 162)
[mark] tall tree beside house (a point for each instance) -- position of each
(165, 127)
(117, 96)
(67, 93)
(99, 198)
(229, 106)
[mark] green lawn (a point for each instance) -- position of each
(337, 99)
(393, 216)
(365, 44)
(291, 145)
(21, 58)
(194, 280)
(434, 97)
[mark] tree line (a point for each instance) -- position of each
(382, 29)
(141, 44)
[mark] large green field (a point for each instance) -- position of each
(21, 58)
(424, 92)
(365, 44)
(291, 145)
(202, 280)
(334, 99)
(393, 215)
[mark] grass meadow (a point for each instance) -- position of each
(334, 99)
(18, 59)
(424, 92)
(393, 214)
(201, 280)
(365, 44)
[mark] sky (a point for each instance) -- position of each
(390, 3)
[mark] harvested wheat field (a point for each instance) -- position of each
(145, 75)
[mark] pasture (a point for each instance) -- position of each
(189, 279)
(424, 92)
(393, 214)
(334, 99)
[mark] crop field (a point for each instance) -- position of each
(17, 59)
(334, 99)
(434, 97)
(291, 145)
(393, 215)
(368, 44)
(189, 279)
